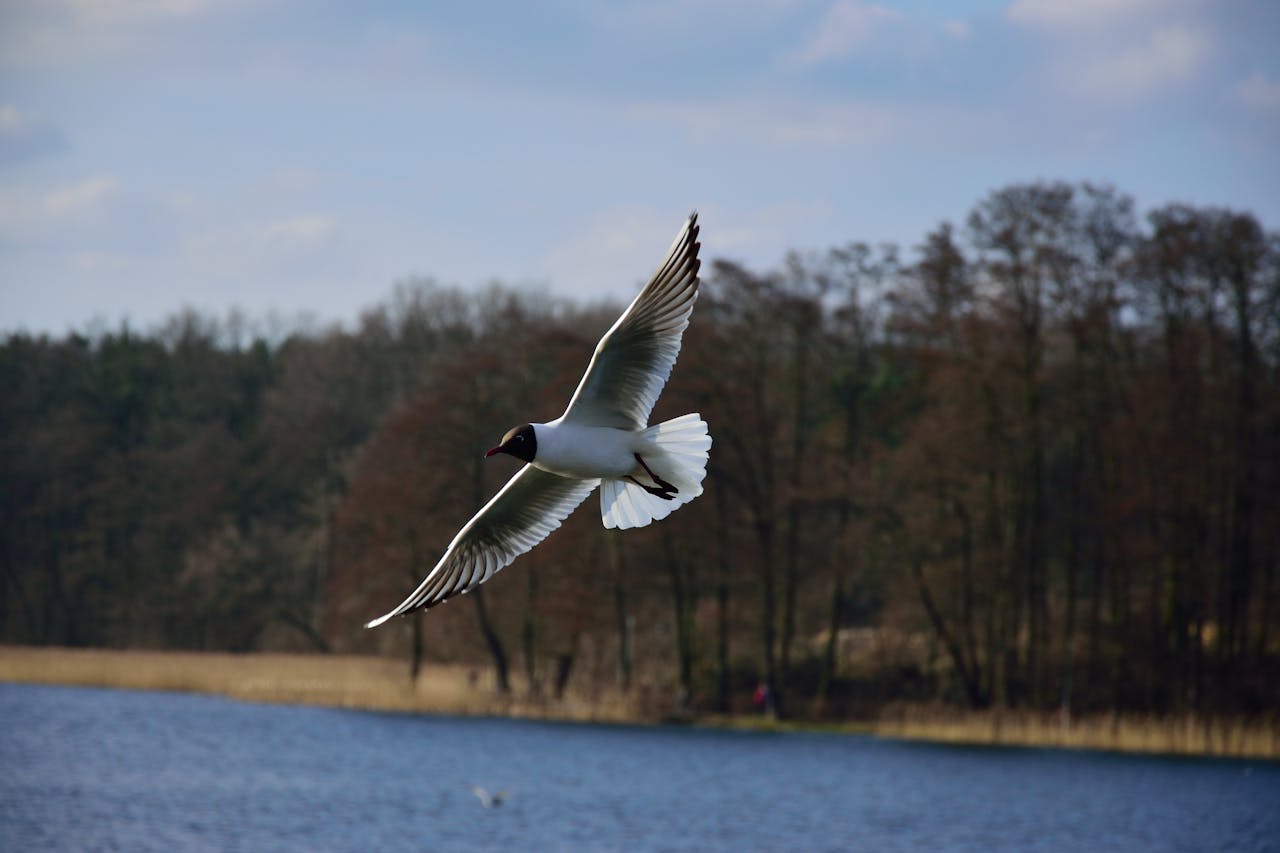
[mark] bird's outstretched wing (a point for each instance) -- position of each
(634, 358)
(522, 514)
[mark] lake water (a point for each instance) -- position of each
(84, 769)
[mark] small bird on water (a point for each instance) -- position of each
(490, 801)
(602, 439)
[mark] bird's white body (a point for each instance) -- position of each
(627, 464)
(587, 452)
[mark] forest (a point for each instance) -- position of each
(1031, 462)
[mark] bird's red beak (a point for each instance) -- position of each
(492, 450)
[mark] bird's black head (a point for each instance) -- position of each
(520, 442)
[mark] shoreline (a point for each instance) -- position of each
(381, 684)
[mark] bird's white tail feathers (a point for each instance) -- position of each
(677, 452)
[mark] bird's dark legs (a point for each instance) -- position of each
(665, 494)
(667, 487)
(663, 489)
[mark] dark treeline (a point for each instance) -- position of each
(1032, 462)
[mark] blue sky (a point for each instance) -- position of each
(302, 156)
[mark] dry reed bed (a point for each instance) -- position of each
(1182, 735)
(374, 683)
(341, 681)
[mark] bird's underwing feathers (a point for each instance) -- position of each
(522, 514)
(633, 360)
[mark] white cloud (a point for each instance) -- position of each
(52, 33)
(292, 180)
(300, 232)
(118, 11)
(268, 242)
(80, 197)
(610, 253)
(1257, 93)
(24, 212)
(10, 121)
(649, 16)
(781, 124)
(1059, 15)
(762, 231)
(1118, 50)
(847, 26)
(615, 250)
(1170, 55)
(778, 126)
(66, 214)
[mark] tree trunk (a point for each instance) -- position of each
(1245, 478)
(827, 675)
(416, 645)
(722, 603)
(799, 439)
(682, 596)
(768, 610)
(623, 621)
(529, 634)
(968, 679)
(491, 639)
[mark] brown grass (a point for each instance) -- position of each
(375, 683)
(341, 681)
(1181, 735)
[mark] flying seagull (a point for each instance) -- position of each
(602, 439)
